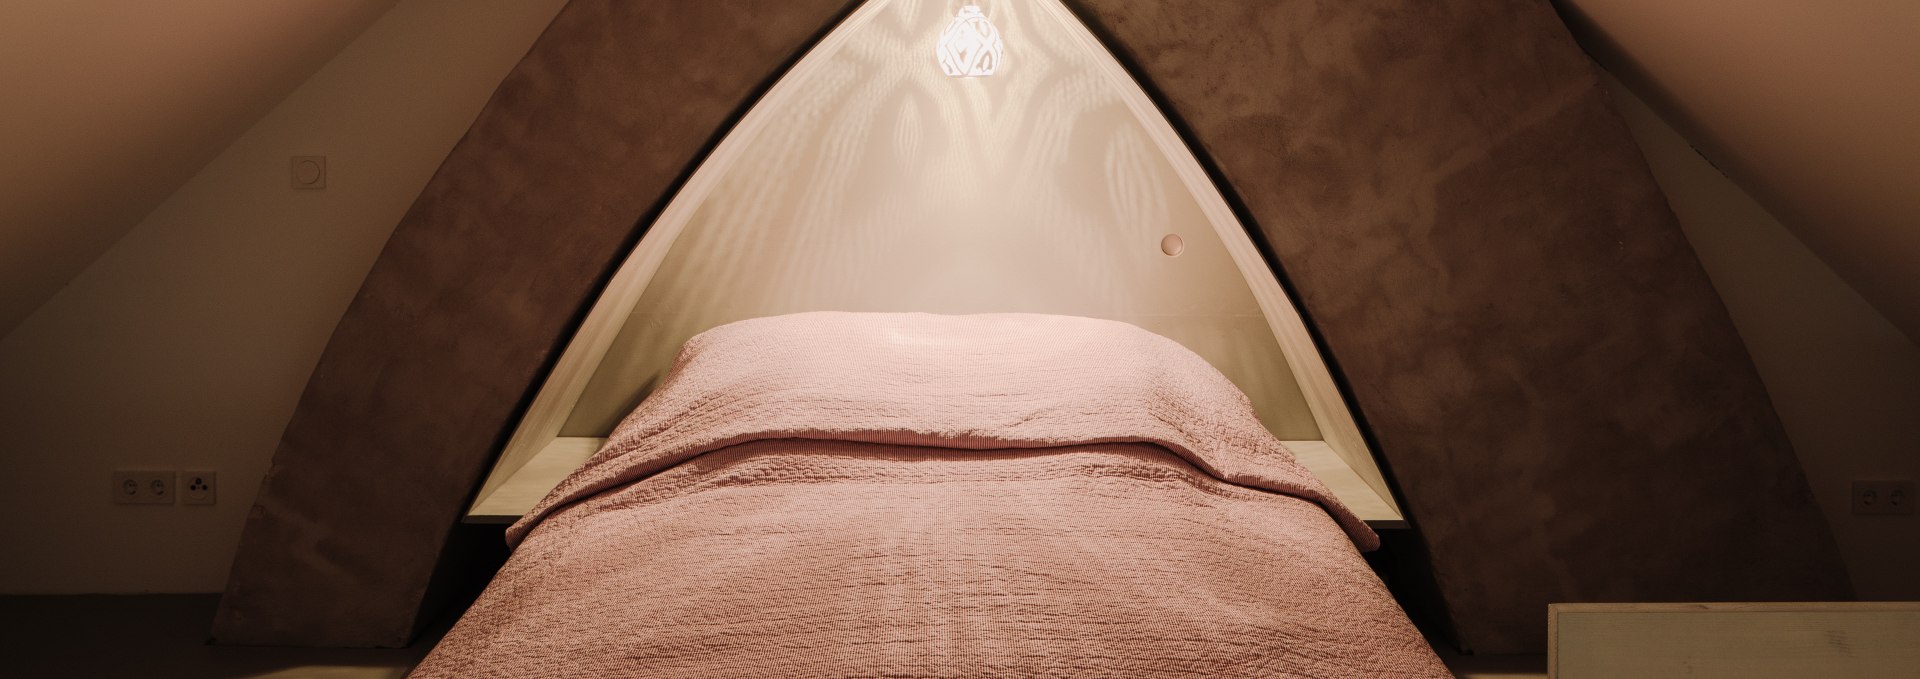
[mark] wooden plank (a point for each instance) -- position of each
(1346, 483)
(1820, 639)
(512, 497)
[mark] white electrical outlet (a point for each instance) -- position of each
(142, 487)
(1882, 497)
(199, 487)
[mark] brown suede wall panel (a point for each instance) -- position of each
(1547, 370)
(475, 291)
(1545, 366)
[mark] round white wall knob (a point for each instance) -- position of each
(1172, 245)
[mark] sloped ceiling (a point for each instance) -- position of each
(111, 105)
(1813, 107)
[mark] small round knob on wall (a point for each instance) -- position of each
(1172, 245)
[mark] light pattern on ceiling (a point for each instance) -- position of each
(970, 46)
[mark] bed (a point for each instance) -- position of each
(848, 494)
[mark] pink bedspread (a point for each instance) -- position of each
(911, 495)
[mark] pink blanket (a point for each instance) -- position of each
(838, 494)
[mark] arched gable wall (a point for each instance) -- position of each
(1548, 373)
(1552, 380)
(475, 294)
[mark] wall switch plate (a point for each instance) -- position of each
(142, 487)
(1871, 498)
(199, 487)
(309, 172)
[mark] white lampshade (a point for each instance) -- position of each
(970, 45)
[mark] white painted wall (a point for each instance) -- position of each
(1809, 106)
(109, 106)
(188, 342)
(1845, 380)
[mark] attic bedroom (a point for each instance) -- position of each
(936, 338)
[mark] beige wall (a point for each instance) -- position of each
(186, 344)
(1809, 106)
(110, 106)
(887, 186)
(1845, 380)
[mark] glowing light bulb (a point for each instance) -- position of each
(970, 46)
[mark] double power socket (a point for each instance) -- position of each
(164, 487)
(1883, 497)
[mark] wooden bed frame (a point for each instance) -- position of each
(537, 456)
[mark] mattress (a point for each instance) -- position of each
(838, 494)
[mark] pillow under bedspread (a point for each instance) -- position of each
(961, 382)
